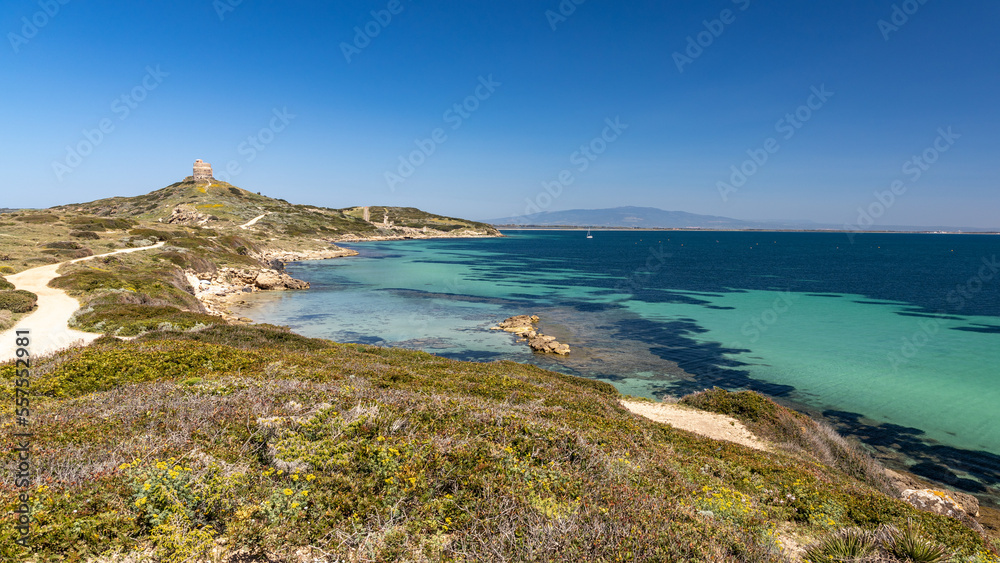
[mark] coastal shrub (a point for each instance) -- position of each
(39, 218)
(66, 245)
(17, 300)
(86, 235)
(794, 431)
(158, 286)
(850, 544)
(908, 545)
(282, 444)
(6, 269)
(130, 320)
(65, 254)
(152, 234)
(248, 337)
(6, 319)
(4, 284)
(100, 223)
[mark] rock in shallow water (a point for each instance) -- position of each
(524, 326)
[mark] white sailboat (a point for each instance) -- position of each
(589, 235)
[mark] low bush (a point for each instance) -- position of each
(100, 223)
(131, 320)
(17, 300)
(4, 284)
(86, 235)
(63, 245)
(39, 218)
(794, 431)
(152, 234)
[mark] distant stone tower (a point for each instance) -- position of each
(202, 170)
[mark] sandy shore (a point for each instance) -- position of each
(710, 425)
(49, 322)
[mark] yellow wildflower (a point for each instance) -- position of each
(288, 492)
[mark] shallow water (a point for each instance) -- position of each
(895, 338)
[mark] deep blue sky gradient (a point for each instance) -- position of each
(226, 77)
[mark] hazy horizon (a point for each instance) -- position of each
(827, 112)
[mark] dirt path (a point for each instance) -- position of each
(250, 223)
(710, 425)
(48, 323)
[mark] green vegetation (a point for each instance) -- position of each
(86, 235)
(792, 431)
(17, 300)
(131, 320)
(886, 544)
(4, 284)
(276, 442)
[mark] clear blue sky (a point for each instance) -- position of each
(221, 79)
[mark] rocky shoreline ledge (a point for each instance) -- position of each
(219, 290)
(524, 326)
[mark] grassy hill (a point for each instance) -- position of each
(222, 205)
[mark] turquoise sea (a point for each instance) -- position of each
(893, 338)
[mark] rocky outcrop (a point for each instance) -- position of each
(186, 214)
(218, 290)
(524, 326)
(298, 255)
(937, 502)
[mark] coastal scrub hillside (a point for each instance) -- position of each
(231, 442)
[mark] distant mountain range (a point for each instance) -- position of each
(653, 218)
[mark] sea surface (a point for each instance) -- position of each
(893, 338)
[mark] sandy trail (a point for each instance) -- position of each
(250, 223)
(48, 323)
(710, 425)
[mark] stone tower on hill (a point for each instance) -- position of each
(202, 170)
